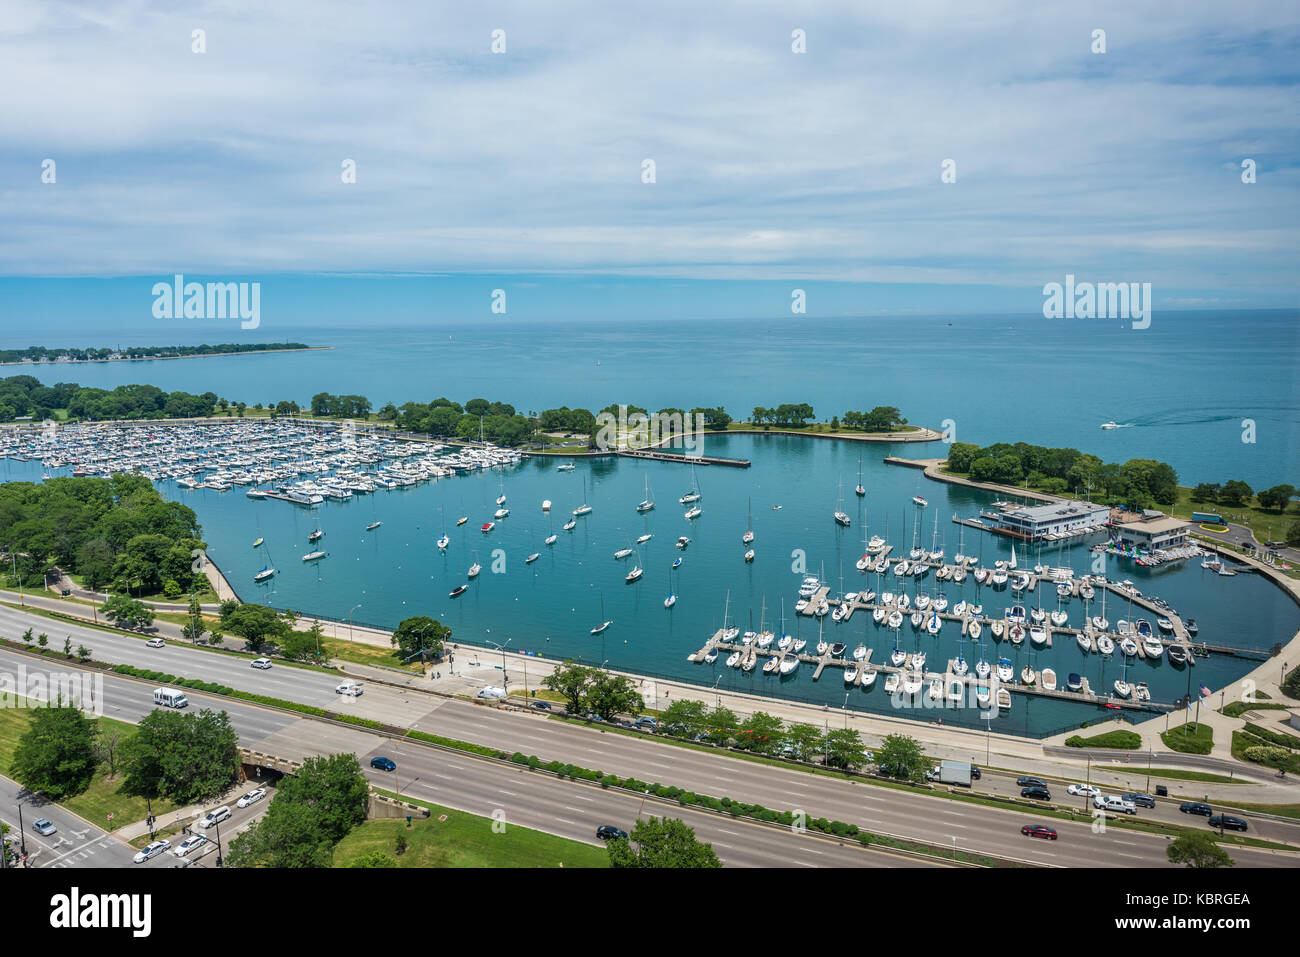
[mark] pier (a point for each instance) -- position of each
(684, 459)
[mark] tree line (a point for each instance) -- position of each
(117, 532)
(44, 353)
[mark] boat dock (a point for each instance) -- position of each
(685, 459)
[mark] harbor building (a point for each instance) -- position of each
(1151, 535)
(1036, 522)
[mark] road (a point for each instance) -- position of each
(903, 814)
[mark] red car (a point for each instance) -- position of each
(1039, 830)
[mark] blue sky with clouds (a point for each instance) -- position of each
(821, 168)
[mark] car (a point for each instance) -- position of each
(608, 832)
(189, 844)
(43, 826)
(1141, 800)
(261, 664)
(1031, 782)
(252, 797)
(1227, 822)
(542, 705)
(491, 692)
(647, 722)
(975, 772)
(383, 764)
(1039, 830)
(1196, 807)
(1089, 789)
(155, 643)
(348, 688)
(1109, 802)
(151, 850)
(1036, 792)
(215, 817)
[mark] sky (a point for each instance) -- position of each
(773, 169)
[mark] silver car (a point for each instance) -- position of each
(251, 797)
(189, 844)
(151, 851)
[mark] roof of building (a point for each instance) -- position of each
(1062, 510)
(1156, 526)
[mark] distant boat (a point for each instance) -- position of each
(604, 624)
(677, 562)
(373, 525)
(861, 489)
(920, 502)
(264, 574)
(1112, 424)
(487, 527)
(258, 542)
(647, 503)
(1049, 679)
(532, 558)
(457, 591)
(313, 537)
(566, 467)
(314, 556)
(462, 520)
(546, 505)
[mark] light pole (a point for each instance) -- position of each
(717, 698)
(846, 712)
(505, 678)
(350, 611)
(218, 823)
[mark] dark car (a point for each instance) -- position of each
(1227, 822)
(542, 705)
(974, 772)
(1196, 807)
(1037, 793)
(1039, 830)
(384, 764)
(1031, 783)
(1141, 800)
(608, 832)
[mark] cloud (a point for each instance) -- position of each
(769, 164)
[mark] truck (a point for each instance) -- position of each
(170, 698)
(952, 772)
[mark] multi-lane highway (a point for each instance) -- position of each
(882, 810)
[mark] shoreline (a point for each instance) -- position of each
(205, 355)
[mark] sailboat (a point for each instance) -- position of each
(694, 494)
(258, 542)
(841, 517)
(672, 598)
(443, 540)
(748, 537)
(501, 499)
(550, 539)
(647, 503)
(861, 489)
(636, 572)
(584, 508)
(475, 568)
(603, 624)
(1122, 687)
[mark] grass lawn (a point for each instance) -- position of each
(465, 840)
(101, 798)
(361, 653)
(1189, 738)
(1259, 520)
(1175, 774)
(1237, 708)
(1120, 740)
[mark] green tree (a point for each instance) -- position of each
(684, 718)
(844, 748)
(804, 742)
(571, 680)
(662, 843)
(1278, 497)
(611, 695)
(375, 858)
(1206, 492)
(127, 612)
(721, 724)
(420, 636)
(900, 756)
(761, 732)
(1235, 493)
(193, 628)
(187, 757)
(1197, 850)
(302, 645)
(256, 624)
(56, 754)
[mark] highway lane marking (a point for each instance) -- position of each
(1135, 857)
(504, 791)
(566, 821)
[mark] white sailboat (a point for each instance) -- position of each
(584, 508)
(647, 503)
(861, 489)
(603, 624)
(841, 517)
(748, 537)
(694, 494)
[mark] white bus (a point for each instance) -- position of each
(170, 698)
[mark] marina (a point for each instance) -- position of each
(543, 584)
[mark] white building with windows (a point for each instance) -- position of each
(1035, 522)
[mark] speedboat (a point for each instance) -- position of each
(1005, 670)
(546, 505)
(682, 541)
(1128, 645)
(850, 674)
(457, 591)
(1177, 655)
(936, 690)
(711, 656)
(1073, 682)
(789, 662)
(532, 558)
(1049, 679)
(982, 695)
(892, 681)
(1141, 691)
(487, 527)
(462, 520)
(912, 682)
(373, 525)
(501, 513)
(918, 660)
(859, 652)
(1192, 627)
(749, 557)
(677, 562)
(1038, 635)
(1153, 647)
(733, 659)
(868, 678)
(1112, 424)
(1164, 624)
(919, 502)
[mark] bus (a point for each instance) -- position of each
(1208, 518)
(170, 698)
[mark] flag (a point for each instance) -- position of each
(1205, 692)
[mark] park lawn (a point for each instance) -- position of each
(465, 840)
(1176, 774)
(1189, 738)
(102, 797)
(1259, 520)
(362, 653)
(1120, 740)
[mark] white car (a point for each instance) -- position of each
(348, 688)
(155, 643)
(492, 692)
(152, 850)
(251, 797)
(1082, 789)
(1110, 802)
(189, 844)
(261, 663)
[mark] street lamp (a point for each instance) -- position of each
(350, 611)
(717, 698)
(505, 678)
(846, 712)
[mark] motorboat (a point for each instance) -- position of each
(859, 652)
(373, 525)
(867, 677)
(850, 674)
(500, 513)
(462, 520)
(892, 681)
(532, 558)
(458, 591)
(1128, 645)
(487, 527)
(474, 570)
(566, 467)
(711, 656)
(1141, 691)
(1164, 624)
(771, 664)
(1049, 679)
(733, 659)
(1153, 647)
(682, 541)
(918, 660)
(982, 696)
(642, 539)
(956, 690)
(1110, 425)
(1105, 645)
(1192, 627)
(749, 557)
(1177, 655)
(1004, 699)
(936, 690)
(1073, 682)
(1015, 614)
(546, 505)
(1005, 671)
(919, 502)
(789, 663)
(1037, 635)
